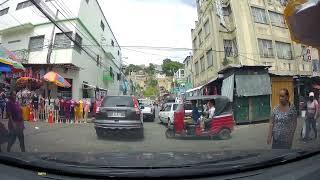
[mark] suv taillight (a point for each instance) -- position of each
(136, 105)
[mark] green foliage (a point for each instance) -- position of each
(150, 91)
(226, 62)
(169, 67)
(150, 69)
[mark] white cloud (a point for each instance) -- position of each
(160, 23)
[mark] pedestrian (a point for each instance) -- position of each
(67, 110)
(283, 123)
(42, 108)
(2, 104)
(35, 106)
(72, 105)
(15, 123)
(56, 109)
(61, 110)
(311, 116)
(195, 112)
(80, 110)
(86, 111)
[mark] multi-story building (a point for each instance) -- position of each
(245, 32)
(139, 79)
(164, 83)
(83, 49)
(188, 73)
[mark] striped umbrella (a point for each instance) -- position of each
(57, 79)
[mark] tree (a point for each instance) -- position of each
(169, 67)
(132, 68)
(150, 91)
(150, 70)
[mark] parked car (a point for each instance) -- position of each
(166, 114)
(119, 113)
(147, 109)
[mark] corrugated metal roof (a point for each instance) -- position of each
(227, 87)
(253, 85)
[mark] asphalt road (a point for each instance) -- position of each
(44, 137)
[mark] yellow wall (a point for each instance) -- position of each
(279, 83)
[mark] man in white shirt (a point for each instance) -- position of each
(211, 108)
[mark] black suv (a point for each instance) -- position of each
(119, 114)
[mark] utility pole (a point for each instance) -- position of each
(50, 47)
(51, 39)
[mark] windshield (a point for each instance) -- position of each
(111, 101)
(157, 76)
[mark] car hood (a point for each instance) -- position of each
(163, 164)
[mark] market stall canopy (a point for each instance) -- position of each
(57, 79)
(303, 20)
(26, 81)
(9, 58)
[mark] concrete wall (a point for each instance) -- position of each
(241, 26)
(86, 24)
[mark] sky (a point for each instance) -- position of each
(155, 23)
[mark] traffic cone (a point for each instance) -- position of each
(50, 118)
(31, 117)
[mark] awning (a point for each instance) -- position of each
(88, 86)
(194, 89)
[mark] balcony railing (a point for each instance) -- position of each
(22, 55)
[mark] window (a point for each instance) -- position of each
(25, 4)
(277, 19)
(304, 52)
(87, 1)
(209, 58)
(114, 101)
(196, 67)
(15, 41)
(111, 73)
(175, 106)
(118, 53)
(284, 50)
(112, 43)
(4, 11)
(230, 47)
(206, 28)
(78, 39)
(226, 11)
(283, 2)
(202, 64)
(168, 108)
(259, 15)
(62, 41)
(102, 25)
(265, 48)
(200, 34)
(194, 43)
(36, 43)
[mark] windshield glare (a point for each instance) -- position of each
(115, 76)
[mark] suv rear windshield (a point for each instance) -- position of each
(187, 106)
(117, 101)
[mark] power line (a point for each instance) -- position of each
(83, 34)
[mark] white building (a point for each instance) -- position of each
(92, 65)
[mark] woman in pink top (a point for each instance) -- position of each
(86, 110)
